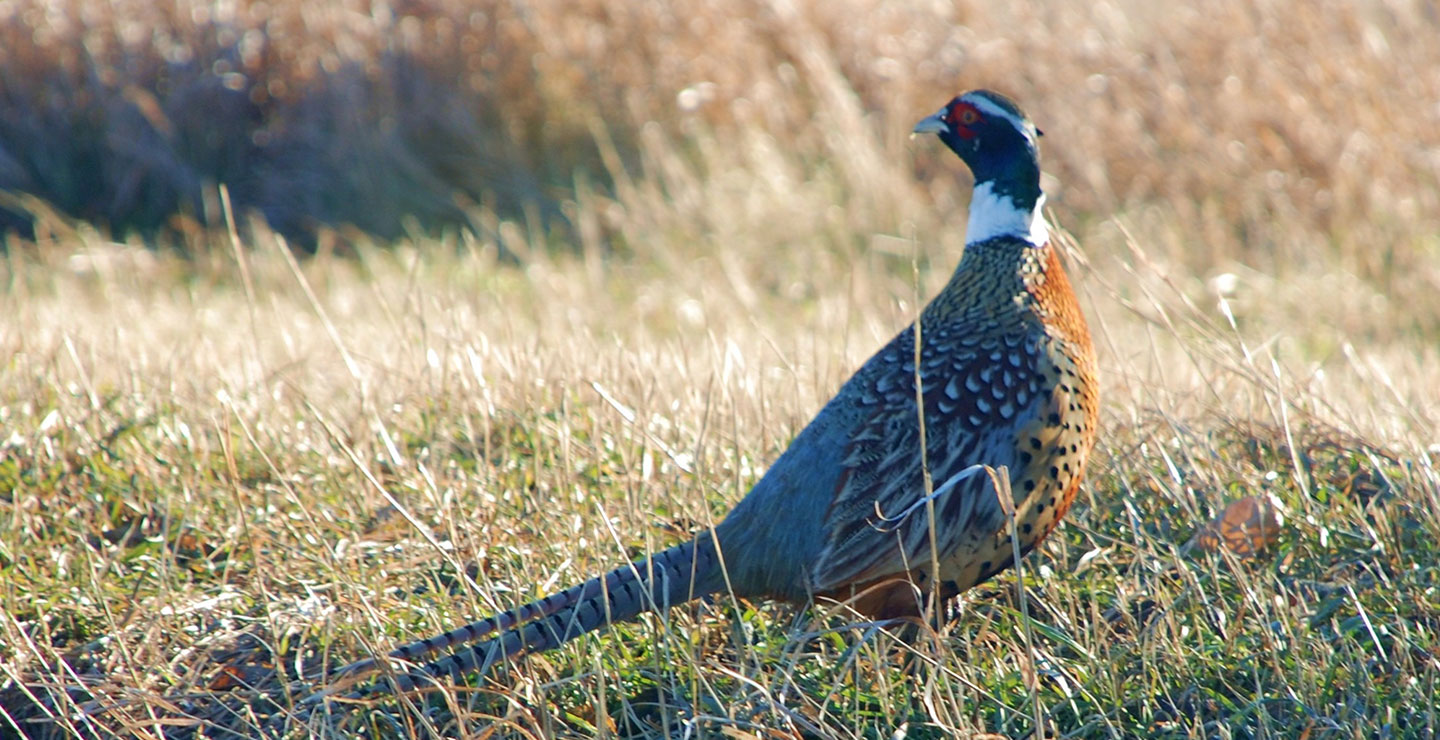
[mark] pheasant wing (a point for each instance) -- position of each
(978, 401)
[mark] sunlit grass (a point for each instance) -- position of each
(195, 473)
(213, 462)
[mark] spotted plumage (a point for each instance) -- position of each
(1006, 373)
(1006, 376)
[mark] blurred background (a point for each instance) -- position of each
(1263, 130)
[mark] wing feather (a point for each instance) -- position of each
(878, 522)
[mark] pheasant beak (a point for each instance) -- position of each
(933, 125)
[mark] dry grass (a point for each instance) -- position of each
(204, 466)
(1264, 130)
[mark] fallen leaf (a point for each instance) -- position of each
(1245, 528)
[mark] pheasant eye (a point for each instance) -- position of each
(969, 116)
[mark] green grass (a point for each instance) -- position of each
(207, 474)
(215, 461)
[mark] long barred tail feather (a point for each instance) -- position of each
(674, 576)
(477, 630)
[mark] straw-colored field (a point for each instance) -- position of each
(226, 460)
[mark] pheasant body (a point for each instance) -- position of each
(1006, 377)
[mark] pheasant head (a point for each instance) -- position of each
(1002, 148)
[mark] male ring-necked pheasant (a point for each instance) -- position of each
(1007, 375)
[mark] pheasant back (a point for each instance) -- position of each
(1006, 378)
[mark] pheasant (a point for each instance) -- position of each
(1006, 374)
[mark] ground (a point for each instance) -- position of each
(220, 459)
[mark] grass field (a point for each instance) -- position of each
(220, 460)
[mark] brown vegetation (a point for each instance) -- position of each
(233, 460)
(1279, 122)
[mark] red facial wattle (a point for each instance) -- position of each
(960, 117)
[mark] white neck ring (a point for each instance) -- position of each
(993, 214)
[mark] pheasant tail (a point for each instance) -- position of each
(684, 572)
